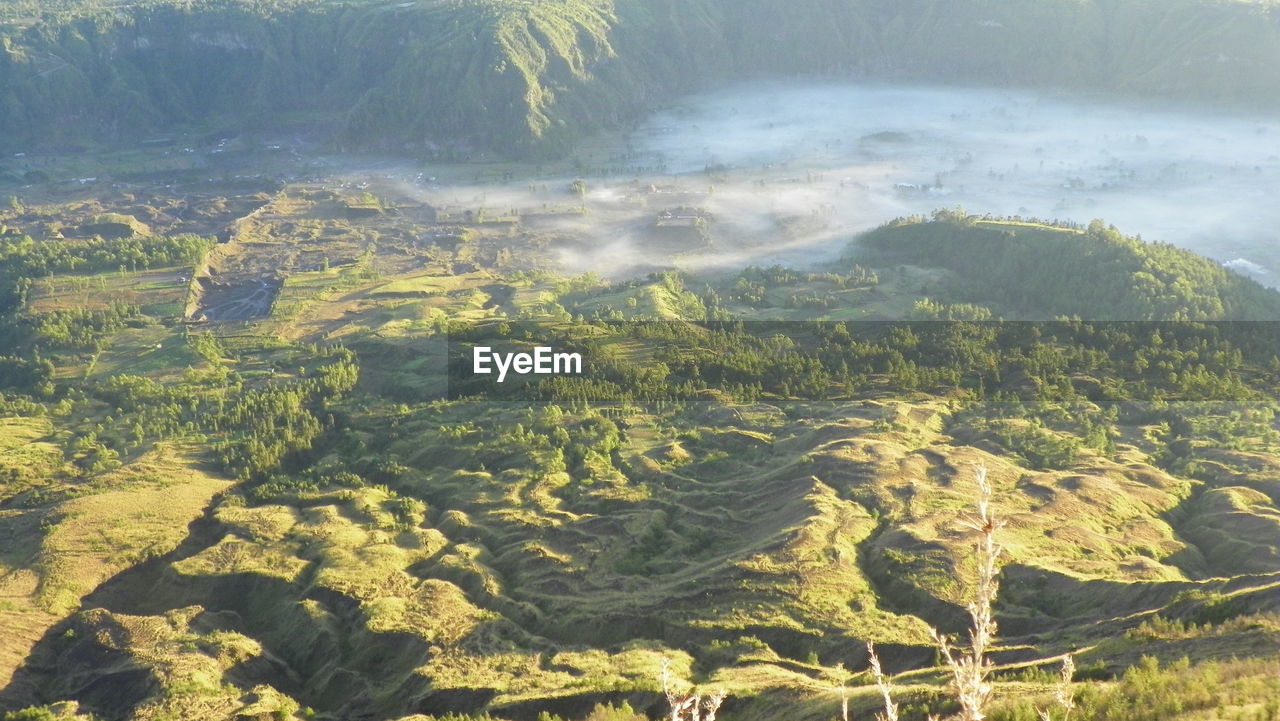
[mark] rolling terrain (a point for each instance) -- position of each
(281, 514)
(244, 246)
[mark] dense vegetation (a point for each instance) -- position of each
(525, 78)
(828, 361)
(1094, 273)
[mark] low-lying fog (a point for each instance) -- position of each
(1204, 181)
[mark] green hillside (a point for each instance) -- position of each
(524, 78)
(286, 517)
(247, 472)
(1045, 271)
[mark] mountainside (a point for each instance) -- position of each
(216, 521)
(522, 78)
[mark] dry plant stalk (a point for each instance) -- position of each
(1062, 695)
(844, 693)
(711, 704)
(1065, 697)
(970, 667)
(676, 701)
(882, 682)
(689, 703)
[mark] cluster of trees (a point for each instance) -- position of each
(1063, 361)
(28, 335)
(928, 309)
(269, 424)
(753, 284)
(23, 259)
(28, 375)
(76, 329)
(256, 427)
(253, 428)
(264, 425)
(23, 256)
(551, 440)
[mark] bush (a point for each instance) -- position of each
(35, 713)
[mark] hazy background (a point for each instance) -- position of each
(858, 155)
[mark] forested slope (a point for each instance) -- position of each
(1045, 271)
(522, 78)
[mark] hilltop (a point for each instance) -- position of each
(1040, 270)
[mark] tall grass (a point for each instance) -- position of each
(968, 665)
(882, 682)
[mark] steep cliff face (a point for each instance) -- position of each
(523, 78)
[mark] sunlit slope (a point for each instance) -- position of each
(385, 552)
(466, 569)
(380, 74)
(60, 544)
(524, 78)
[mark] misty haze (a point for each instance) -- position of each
(1205, 182)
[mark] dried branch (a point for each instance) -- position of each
(886, 689)
(970, 667)
(1062, 695)
(689, 702)
(1065, 697)
(844, 692)
(712, 704)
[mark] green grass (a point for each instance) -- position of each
(158, 291)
